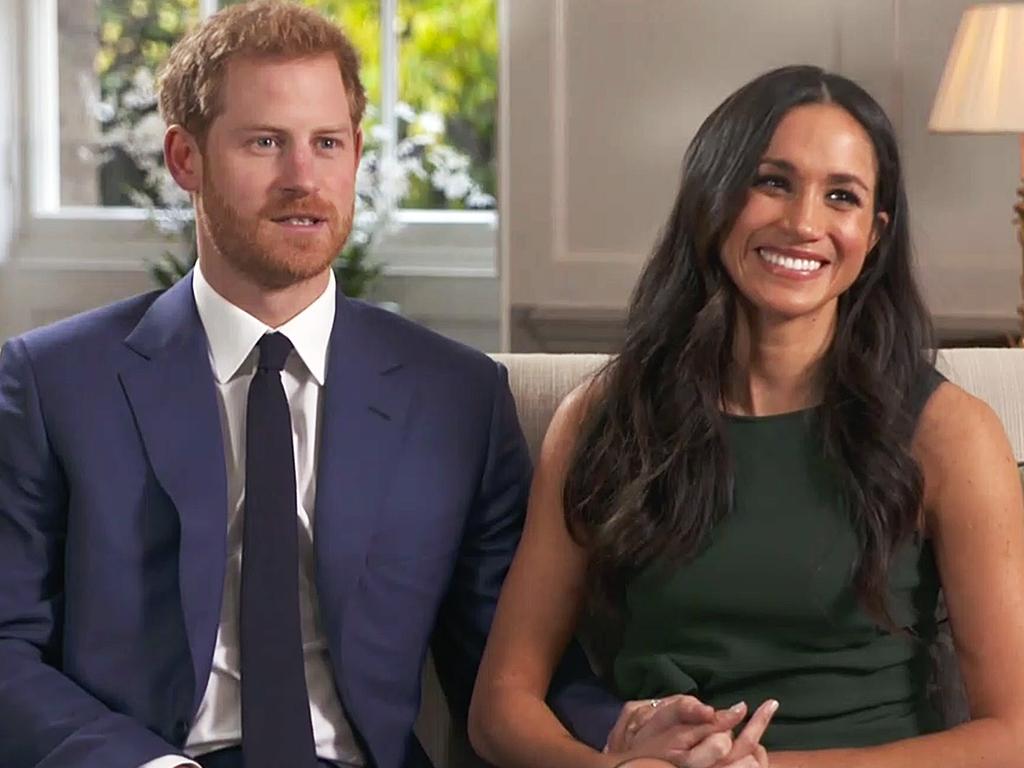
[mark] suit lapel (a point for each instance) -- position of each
(172, 394)
(366, 398)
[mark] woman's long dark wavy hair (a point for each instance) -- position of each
(651, 474)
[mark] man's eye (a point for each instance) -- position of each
(328, 142)
(265, 142)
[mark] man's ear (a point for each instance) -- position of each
(880, 225)
(183, 158)
(358, 146)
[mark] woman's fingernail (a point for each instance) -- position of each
(738, 707)
(773, 707)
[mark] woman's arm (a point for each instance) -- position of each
(509, 722)
(975, 516)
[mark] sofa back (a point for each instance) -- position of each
(540, 381)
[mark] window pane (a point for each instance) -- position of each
(448, 59)
(111, 134)
(361, 21)
(448, 75)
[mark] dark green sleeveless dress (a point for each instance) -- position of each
(767, 608)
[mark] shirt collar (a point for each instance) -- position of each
(231, 332)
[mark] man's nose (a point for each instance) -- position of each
(297, 171)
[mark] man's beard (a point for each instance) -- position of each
(265, 251)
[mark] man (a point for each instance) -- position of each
(249, 493)
(234, 515)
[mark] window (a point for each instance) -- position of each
(110, 132)
(447, 68)
(430, 67)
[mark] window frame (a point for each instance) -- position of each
(434, 243)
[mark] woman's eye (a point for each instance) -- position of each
(771, 181)
(845, 196)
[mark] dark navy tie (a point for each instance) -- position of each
(276, 727)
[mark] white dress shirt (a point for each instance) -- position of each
(232, 334)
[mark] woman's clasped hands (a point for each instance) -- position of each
(684, 732)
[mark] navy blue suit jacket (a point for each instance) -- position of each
(113, 505)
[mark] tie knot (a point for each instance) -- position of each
(274, 349)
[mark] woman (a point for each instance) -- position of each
(770, 481)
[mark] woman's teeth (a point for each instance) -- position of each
(799, 265)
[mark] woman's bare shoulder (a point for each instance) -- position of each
(569, 417)
(954, 420)
(960, 442)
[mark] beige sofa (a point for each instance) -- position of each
(539, 382)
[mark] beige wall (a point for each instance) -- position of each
(604, 96)
(79, 45)
(9, 145)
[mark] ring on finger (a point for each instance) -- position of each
(654, 703)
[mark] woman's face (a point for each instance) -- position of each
(808, 223)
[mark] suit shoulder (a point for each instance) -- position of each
(88, 330)
(425, 348)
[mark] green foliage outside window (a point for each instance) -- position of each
(447, 65)
(448, 62)
(445, 144)
(137, 33)
(134, 35)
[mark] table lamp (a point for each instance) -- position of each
(982, 89)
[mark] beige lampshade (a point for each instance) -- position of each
(982, 89)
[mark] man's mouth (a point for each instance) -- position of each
(299, 221)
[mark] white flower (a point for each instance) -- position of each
(455, 186)
(366, 177)
(168, 190)
(172, 221)
(413, 166)
(117, 136)
(96, 155)
(404, 112)
(139, 198)
(431, 123)
(146, 137)
(365, 220)
(379, 134)
(359, 237)
(143, 80)
(448, 159)
(392, 182)
(480, 199)
(142, 93)
(103, 111)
